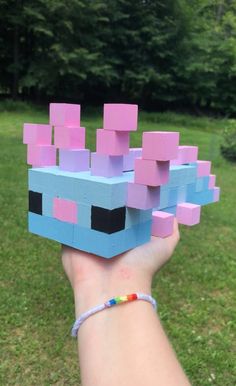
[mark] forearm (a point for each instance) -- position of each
(126, 344)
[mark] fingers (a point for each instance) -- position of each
(176, 234)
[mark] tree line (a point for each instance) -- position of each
(157, 53)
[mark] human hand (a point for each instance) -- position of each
(95, 279)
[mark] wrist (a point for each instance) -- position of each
(90, 293)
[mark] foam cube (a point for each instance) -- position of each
(106, 220)
(203, 168)
(216, 193)
(162, 224)
(142, 197)
(188, 214)
(74, 160)
(128, 163)
(202, 183)
(41, 155)
(186, 155)
(120, 117)
(212, 181)
(160, 145)
(36, 134)
(107, 210)
(112, 142)
(64, 114)
(151, 173)
(69, 137)
(106, 165)
(65, 210)
(182, 194)
(47, 204)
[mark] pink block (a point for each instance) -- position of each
(186, 155)
(212, 181)
(112, 142)
(151, 173)
(106, 165)
(120, 117)
(69, 137)
(188, 214)
(65, 210)
(74, 160)
(37, 134)
(142, 197)
(203, 168)
(216, 194)
(162, 224)
(160, 145)
(129, 159)
(41, 155)
(64, 114)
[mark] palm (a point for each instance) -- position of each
(81, 266)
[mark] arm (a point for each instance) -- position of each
(124, 345)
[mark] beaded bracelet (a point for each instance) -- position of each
(110, 303)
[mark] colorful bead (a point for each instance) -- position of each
(110, 303)
(132, 297)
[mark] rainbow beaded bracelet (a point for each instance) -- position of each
(110, 303)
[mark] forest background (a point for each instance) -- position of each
(172, 54)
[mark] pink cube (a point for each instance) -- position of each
(106, 165)
(41, 155)
(212, 181)
(186, 155)
(216, 193)
(129, 159)
(160, 145)
(151, 173)
(142, 197)
(162, 224)
(37, 134)
(112, 142)
(74, 160)
(69, 137)
(203, 168)
(65, 210)
(64, 114)
(188, 214)
(120, 117)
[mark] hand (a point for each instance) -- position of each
(95, 279)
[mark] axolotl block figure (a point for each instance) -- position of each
(114, 199)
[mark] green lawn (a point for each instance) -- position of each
(196, 291)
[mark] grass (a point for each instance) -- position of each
(195, 291)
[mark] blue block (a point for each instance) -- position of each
(109, 245)
(182, 194)
(171, 210)
(144, 232)
(47, 205)
(51, 228)
(109, 193)
(201, 198)
(202, 183)
(164, 195)
(81, 187)
(181, 175)
(135, 216)
(99, 243)
(191, 189)
(206, 182)
(173, 197)
(84, 215)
